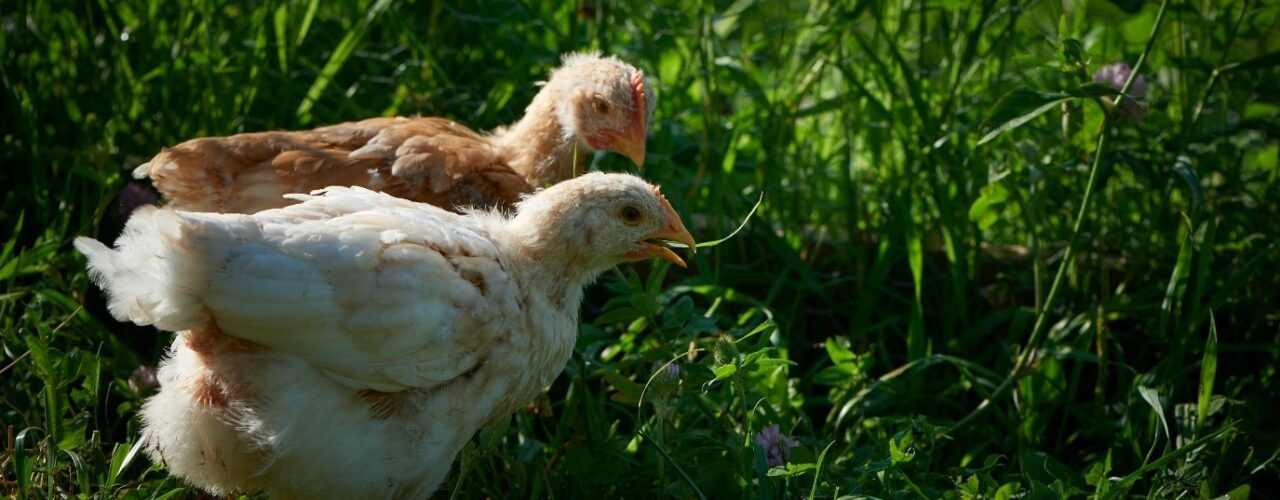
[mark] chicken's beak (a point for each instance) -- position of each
(631, 144)
(658, 243)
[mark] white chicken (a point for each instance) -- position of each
(350, 345)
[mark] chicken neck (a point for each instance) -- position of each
(539, 147)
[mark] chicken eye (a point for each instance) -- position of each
(631, 215)
(601, 105)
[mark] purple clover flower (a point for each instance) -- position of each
(667, 380)
(143, 379)
(777, 447)
(1115, 75)
(133, 196)
(671, 371)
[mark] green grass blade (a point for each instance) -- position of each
(688, 480)
(1208, 371)
(307, 18)
(1125, 483)
(338, 58)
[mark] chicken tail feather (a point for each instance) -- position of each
(142, 171)
(139, 274)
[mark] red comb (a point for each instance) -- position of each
(641, 113)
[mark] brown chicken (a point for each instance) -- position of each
(589, 103)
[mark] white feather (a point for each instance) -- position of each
(458, 319)
(148, 279)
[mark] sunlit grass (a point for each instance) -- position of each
(907, 250)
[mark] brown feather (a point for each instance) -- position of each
(387, 405)
(430, 160)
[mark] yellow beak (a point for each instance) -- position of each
(632, 144)
(655, 244)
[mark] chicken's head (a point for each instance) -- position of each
(600, 220)
(605, 103)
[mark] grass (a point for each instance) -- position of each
(968, 277)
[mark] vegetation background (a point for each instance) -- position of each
(964, 280)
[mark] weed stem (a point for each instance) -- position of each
(1037, 331)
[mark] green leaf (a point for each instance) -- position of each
(727, 20)
(688, 480)
(900, 456)
(1177, 286)
(653, 284)
(1242, 276)
(681, 311)
(791, 470)
(1073, 51)
(29, 261)
(838, 353)
(917, 344)
(1265, 61)
(7, 251)
(725, 371)
(624, 314)
(174, 493)
(281, 20)
(1094, 89)
(128, 457)
(984, 210)
(78, 469)
(1018, 107)
(1122, 486)
(1240, 493)
(1188, 174)
(338, 58)
(764, 326)
(24, 462)
(751, 358)
(817, 474)
(43, 361)
(833, 104)
(1208, 371)
(764, 363)
(834, 375)
(629, 390)
(1152, 397)
(1045, 469)
(1098, 475)
(306, 22)
(91, 372)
